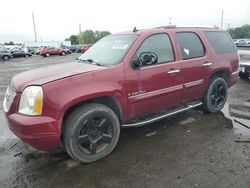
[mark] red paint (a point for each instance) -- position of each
(52, 51)
(139, 91)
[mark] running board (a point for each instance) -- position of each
(162, 116)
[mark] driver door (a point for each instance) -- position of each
(159, 85)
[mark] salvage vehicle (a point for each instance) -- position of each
(126, 79)
(46, 52)
(5, 55)
(20, 53)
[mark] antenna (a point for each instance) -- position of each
(135, 30)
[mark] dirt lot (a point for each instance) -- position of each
(191, 149)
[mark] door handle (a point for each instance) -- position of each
(207, 64)
(173, 71)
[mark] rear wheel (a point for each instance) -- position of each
(216, 95)
(91, 133)
(47, 54)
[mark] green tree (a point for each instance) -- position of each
(101, 34)
(73, 38)
(240, 32)
(87, 37)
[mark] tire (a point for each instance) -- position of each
(47, 54)
(6, 58)
(243, 76)
(26, 56)
(63, 53)
(216, 95)
(96, 127)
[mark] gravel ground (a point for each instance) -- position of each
(191, 149)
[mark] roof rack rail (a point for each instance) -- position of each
(186, 26)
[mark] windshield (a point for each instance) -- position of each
(109, 50)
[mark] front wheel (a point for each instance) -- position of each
(91, 132)
(216, 95)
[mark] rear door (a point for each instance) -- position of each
(159, 84)
(196, 64)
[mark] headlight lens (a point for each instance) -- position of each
(31, 102)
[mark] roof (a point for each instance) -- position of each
(161, 28)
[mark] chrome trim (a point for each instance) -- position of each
(173, 71)
(160, 117)
(155, 93)
(194, 83)
(207, 64)
(236, 72)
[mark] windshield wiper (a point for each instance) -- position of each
(95, 62)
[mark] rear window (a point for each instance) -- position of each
(190, 45)
(220, 41)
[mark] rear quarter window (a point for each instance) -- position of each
(190, 45)
(220, 41)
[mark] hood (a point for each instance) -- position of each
(51, 73)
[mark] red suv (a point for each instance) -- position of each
(46, 52)
(124, 80)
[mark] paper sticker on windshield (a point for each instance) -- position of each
(120, 46)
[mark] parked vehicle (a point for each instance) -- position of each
(32, 50)
(5, 55)
(20, 53)
(244, 70)
(242, 43)
(46, 52)
(86, 47)
(124, 80)
(75, 48)
(37, 52)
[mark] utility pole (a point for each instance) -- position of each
(80, 31)
(34, 25)
(221, 22)
(169, 21)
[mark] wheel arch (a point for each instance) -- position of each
(110, 101)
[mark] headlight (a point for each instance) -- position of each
(31, 102)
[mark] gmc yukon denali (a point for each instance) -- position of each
(126, 79)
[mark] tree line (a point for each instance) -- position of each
(240, 32)
(87, 37)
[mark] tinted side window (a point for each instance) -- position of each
(190, 44)
(220, 41)
(159, 44)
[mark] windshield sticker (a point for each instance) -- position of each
(120, 46)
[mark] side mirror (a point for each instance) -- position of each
(136, 62)
(148, 58)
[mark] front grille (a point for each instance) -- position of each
(8, 99)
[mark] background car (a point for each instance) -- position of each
(76, 48)
(242, 43)
(5, 55)
(86, 47)
(20, 53)
(46, 52)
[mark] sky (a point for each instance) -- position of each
(57, 20)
